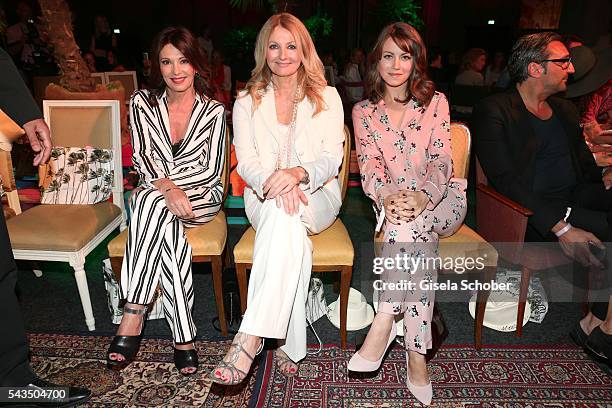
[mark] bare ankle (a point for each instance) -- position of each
(135, 306)
(606, 327)
(184, 346)
(384, 318)
(417, 368)
(589, 323)
(247, 341)
(417, 358)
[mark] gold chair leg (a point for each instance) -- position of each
(217, 272)
(525, 278)
(345, 284)
(116, 263)
(481, 305)
(241, 276)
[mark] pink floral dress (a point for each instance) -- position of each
(415, 157)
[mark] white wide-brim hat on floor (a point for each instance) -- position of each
(501, 311)
(359, 313)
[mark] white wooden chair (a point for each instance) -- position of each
(128, 80)
(69, 232)
(99, 77)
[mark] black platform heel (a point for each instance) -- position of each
(127, 346)
(186, 359)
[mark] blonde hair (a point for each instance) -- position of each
(310, 76)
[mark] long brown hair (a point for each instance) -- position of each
(187, 44)
(420, 87)
(311, 75)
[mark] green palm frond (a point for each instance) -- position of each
(56, 152)
(83, 168)
(53, 186)
(319, 26)
(406, 11)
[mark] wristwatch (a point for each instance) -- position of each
(306, 178)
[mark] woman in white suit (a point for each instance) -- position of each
(288, 134)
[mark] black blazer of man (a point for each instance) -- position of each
(15, 99)
(17, 102)
(506, 147)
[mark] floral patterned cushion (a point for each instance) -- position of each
(76, 175)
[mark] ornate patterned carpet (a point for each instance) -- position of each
(518, 377)
(152, 381)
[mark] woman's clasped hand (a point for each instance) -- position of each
(404, 206)
(284, 187)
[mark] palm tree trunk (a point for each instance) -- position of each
(74, 74)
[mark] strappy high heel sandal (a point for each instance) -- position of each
(186, 359)
(127, 346)
(236, 375)
(285, 365)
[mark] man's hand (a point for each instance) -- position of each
(40, 140)
(282, 181)
(291, 200)
(575, 244)
(607, 178)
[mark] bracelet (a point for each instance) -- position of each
(306, 178)
(563, 230)
(567, 213)
(169, 189)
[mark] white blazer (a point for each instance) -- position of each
(318, 140)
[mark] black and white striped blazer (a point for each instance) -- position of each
(199, 161)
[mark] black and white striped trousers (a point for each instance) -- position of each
(156, 248)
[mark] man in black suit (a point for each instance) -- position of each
(530, 146)
(17, 102)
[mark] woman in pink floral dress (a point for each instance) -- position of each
(404, 153)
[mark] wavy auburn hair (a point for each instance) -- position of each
(187, 44)
(310, 75)
(420, 87)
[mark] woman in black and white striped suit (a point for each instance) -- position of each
(178, 139)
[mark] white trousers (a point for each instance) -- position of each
(282, 263)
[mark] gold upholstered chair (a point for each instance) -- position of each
(332, 250)
(207, 242)
(69, 232)
(465, 242)
(8, 184)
